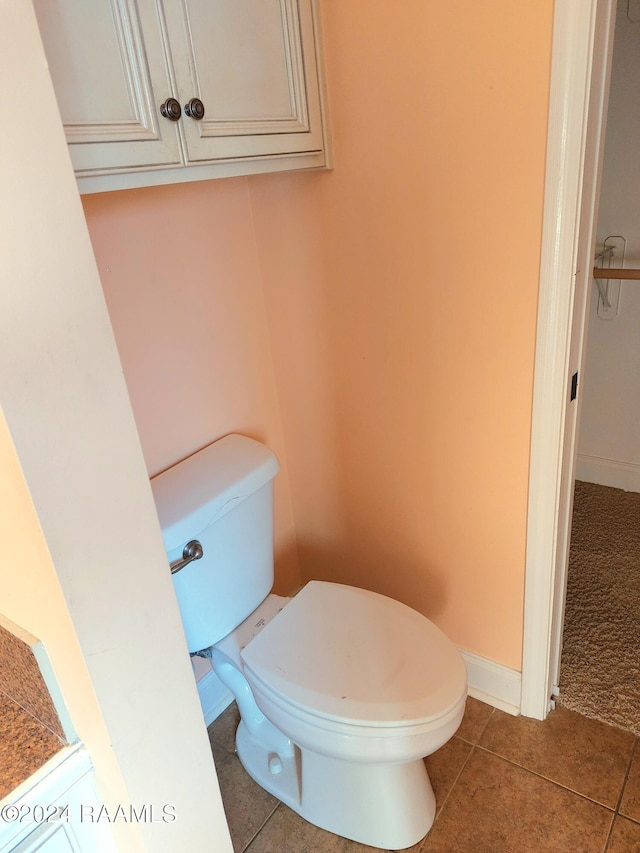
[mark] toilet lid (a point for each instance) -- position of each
(355, 656)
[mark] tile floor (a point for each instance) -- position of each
(503, 784)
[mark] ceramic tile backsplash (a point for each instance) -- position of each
(25, 745)
(21, 680)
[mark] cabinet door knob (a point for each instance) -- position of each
(194, 109)
(171, 109)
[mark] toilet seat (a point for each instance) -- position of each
(339, 657)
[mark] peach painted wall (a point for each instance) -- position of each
(395, 359)
(179, 270)
(401, 292)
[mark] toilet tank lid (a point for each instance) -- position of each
(194, 493)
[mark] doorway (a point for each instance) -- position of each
(581, 54)
(601, 642)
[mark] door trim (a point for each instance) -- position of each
(574, 36)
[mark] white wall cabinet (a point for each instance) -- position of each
(254, 66)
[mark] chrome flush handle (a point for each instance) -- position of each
(191, 551)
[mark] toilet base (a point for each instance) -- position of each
(389, 806)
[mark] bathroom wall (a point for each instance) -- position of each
(180, 274)
(402, 293)
(394, 362)
(609, 444)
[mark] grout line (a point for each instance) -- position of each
(455, 782)
(549, 779)
(262, 826)
(473, 745)
(36, 719)
(609, 834)
(484, 728)
(626, 777)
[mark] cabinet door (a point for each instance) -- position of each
(253, 65)
(110, 72)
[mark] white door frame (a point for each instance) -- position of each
(583, 32)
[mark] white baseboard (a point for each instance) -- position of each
(493, 683)
(608, 472)
(214, 696)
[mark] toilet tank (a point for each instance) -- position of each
(223, 497)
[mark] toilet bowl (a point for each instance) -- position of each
(342, 692)
(363, 688)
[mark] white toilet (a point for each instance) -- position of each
(341, 691)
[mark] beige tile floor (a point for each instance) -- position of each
(503, 784)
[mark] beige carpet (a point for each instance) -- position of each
(600, 670)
